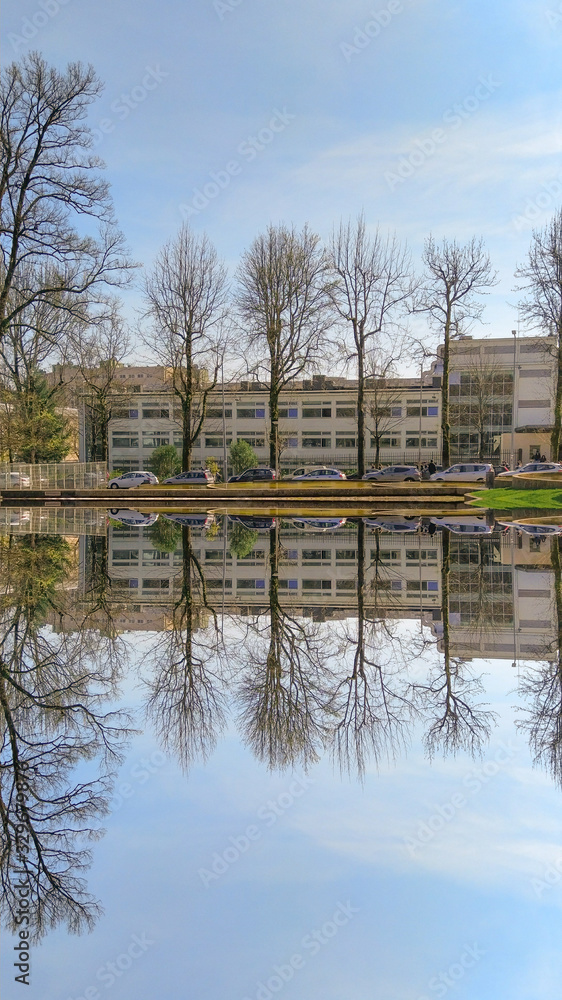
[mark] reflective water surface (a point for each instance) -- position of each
(254, 755)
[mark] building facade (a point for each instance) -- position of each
(501, 408)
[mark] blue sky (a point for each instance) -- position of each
(414, 913)
(354, 91)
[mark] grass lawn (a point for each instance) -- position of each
(509, 499)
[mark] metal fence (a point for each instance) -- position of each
(63, 475)
(48, 521)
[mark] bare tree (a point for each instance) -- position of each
(478, 402)
(382, 399)
(98, 351)
(372, 285)
(186, 294)
(541, 278)
(49, 182)
(282, 299)
(455, 276)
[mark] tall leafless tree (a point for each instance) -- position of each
(541, 280)
(186, 295)
(282, 300)
(372, 285)
(455, 278)
(50, 184)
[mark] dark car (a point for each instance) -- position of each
(195, 477)
(253, 476)
(254, 523)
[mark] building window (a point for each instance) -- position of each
(386, 442)
(345, 442)
(250, 585)
(119, 413)
(311, 412)
(289, 412)
(216, 441)
(256, 440)
(346, 585)
(125, 557)
(215, 412)
(426, 585)
(345, 411)
(291, 442)
(155, 584)
(125, 440)
(156, 440)
(156, 413)
(346, 555)
(396, 411)
(317, 585)
(251, 413)
(316, 556)
(317, 440)
(288, 584)
(426, 411)
(413, 441)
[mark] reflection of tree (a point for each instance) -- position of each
(369, 709)
(542, 686)
(446, 699)
(52, 689)
(164, 535)
(281, 694)
(187, 701)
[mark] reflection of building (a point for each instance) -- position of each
(318, 422)
(318, 577)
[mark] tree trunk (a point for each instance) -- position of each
(274, 425)
(445, 424)
(187, 443)
(557, 428)
(360, 412)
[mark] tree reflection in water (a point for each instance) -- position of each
(187, 691)
(52, 690)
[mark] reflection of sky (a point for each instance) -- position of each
(336, 843)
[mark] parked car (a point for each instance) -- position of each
(475, 472)
(130, 479)
(259, 475)
(133, 517)
(195, 477)
(18, 481)
(400, 524)
(325, 474)
(464, 525)
(322, 524)
(202, 521)
(535, 530)
(254, 523)
(394, 474)
(296, 473)
(532, 467)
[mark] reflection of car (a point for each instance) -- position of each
(318, 523)
(473, 472)
(18, 516)
(254, 523)
(401, 524)
(191, 520)
(394, 474)
(129, 479)
(18, 480)
(533, 467)
(464, 525)
(534, 529)
(128, 516)
(320, 474)
(253, 476)
(195, 477)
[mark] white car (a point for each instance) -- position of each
(396, 524)
(464, 525)
(130, 479)
(394, 474)
(473, 472)
(322, 475)
(535, 530)
(202, 521)
(532, 467)
(134, 517)
(319, 523)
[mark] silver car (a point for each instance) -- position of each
(394, 474)
(532, 467)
